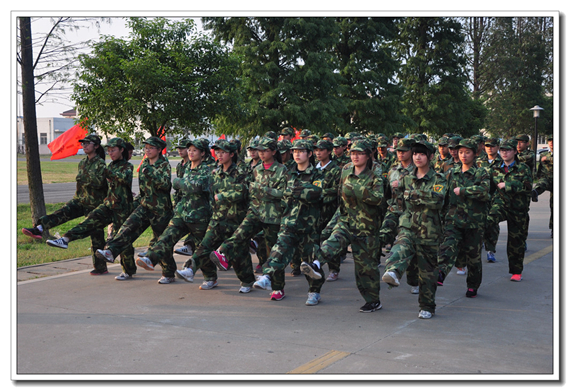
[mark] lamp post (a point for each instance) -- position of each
(536, 113)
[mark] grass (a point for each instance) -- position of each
(33, 251)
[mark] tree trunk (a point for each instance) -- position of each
(35, 184)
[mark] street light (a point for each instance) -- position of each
(536, 113)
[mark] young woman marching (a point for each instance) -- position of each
(90, 193)
(115, 209)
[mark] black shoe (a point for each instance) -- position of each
(296, 272)
(371, 307)
(311, 270)
(471, 293)
(96, 272)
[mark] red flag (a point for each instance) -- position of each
(67, 144)
(297, 135)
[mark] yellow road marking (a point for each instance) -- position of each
(321, 362)
(538, 254)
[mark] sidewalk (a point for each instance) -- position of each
(70, 324)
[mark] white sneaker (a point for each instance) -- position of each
(123, 276)
(245, 289)
(186, 274)
(263, 282)
(145, 263)
(209, 285)
(313, 298)
(60, 243)
(461, 271)
(425, 314)
(391, 278)
(415, 290)
(333, 276)
(107, 255)
(166, 280)
(184, 250)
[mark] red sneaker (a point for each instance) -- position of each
(277, 295)
(219, 260)
(32, 232)
(516, 277)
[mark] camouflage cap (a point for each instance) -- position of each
(419, 136)
(287, 132)
(382, 141)
(492, 142)
(328, 135)
(303, 144)
(404, 144)
(522, 137)
(271, 134)
(155, 142)
(508, 144)
(182, 143)
(305, 133)
(325, 144)
(266, 143)
(425, 143)
(116, 142)
(361, 145)
(284, 145)
(550, 138)
(313, 138)
(200, 143)
(443, 141)
(225, 145)
(237, 142)
(339, 141)
(92, 138)
(478, 138)
(454, 142)
(449, 135)
(468, 143)
(398, 135)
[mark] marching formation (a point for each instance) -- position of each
(304, 203)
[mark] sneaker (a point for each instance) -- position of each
(32, 232)
(516, 277)
(245, 289)
(166, 280)
(253, 246)
(186, 274)
(145, 263)
(208, 285)
(333, 276)
(440, 278)
(143, 254)
(471, 293)
(371, 307)
(425, 314)
(277, 295)
(184, 250)
(391, 279)
(491, 257)
(461, 271)
(311, 270)
(258, 269)
(296, 272)
(313, 298)
(219, 260)
(263, 282)
(415, 290)
(96, 272)
(107, 255)
(60, 243)
(123, 276)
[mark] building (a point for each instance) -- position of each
(48, 130)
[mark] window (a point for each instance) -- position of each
(43, 138)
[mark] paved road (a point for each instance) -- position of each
(73, 325)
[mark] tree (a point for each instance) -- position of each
(164, 76)
(287, 74)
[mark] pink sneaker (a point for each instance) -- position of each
(277, 295)
(219, 260)
(516, 277)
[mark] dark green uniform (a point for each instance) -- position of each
(491, 233)
(545, 176)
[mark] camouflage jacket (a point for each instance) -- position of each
(439, 163)
(489, 167)
(119, 176)
(419, 210)
(468, 209)
(388, 160)
(195, 205)
(527, 157)
(331, 182)
(395, 174)
(361, 198)
(266, 192)
(91, 186)
(232, 189)
(302, 197)
(180, 168)
(448, 165)
(341, 161)
(518, 186)
(545, 168)
(155, 185)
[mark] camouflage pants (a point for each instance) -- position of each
(262, 250)
(161, 250)
(462, 247)
(406, 251)
(517, 233)
(134, 226)
(365, 250)
(291, 241)
(333, 264)
(98, 219)
(70, 211)
(216, 233)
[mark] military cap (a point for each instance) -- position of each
(325, 144)
(182, 143)
(339, 141)
(237, 142)
(266, 143)
(225, 145)
(508, 144)
(373, 143)
(382, 141)
(116, 142)
(253, 144)
(328, 135)
(478, 138)
(155, 142)
(492, 142)
(92, 138)
(549, 138)
(200, 143)
(449, 135)
(425, 143)
(287, 132)
(398, 135)
(305, 133)
(454, 142)
(313, 138)
(361, 145)
(271, 134)
(468, 143)
(419, 136)
(404, 144)
(284, 145)
(443, 141)
(522, 137)
(303, 144)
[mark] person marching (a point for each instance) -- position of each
(453, 161)
(191, 216)
(284, 147)
(265, 208)
(443, 156)
(468, 193)
(420, 228)
(151, 207)
(182, 147)
(545, 175)
(340, 144)
(90, 192)
(361, 191)
(513, 182)
(115, 209)
(287, 134)
(384, 156)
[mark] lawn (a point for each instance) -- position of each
(33, 251)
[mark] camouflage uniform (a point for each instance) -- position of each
(545, 175)
(115, 209)
(180, 169)
(510, 204)
(420, 230)
(152, 206)
(90, 191)
(390, 156)
(465, 220)
(344, 159)
(358, 225)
